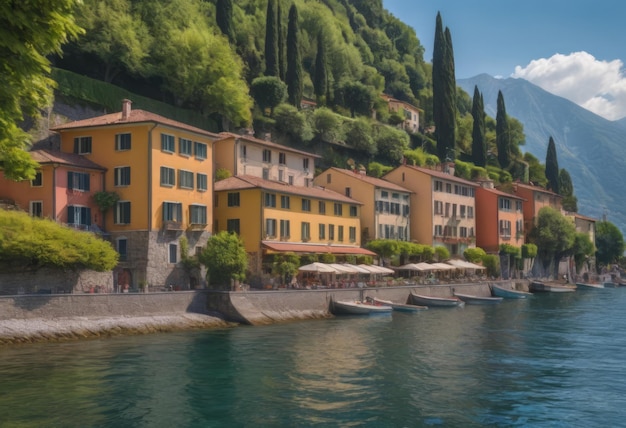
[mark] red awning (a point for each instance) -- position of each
(289, 247)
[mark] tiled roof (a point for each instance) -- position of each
(228, 135)
(62, 158)
(135, 116)
(242, 182)
(312, 248)
(440, 174)
(501, 193)
(378, 182)
(535, 188)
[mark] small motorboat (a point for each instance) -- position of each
(443, 302)
(400, 307)
(509, 293)
(588, 285)
(478, 300)
(357, 307)
(550, 287)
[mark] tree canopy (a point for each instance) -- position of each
(225, 259)
(609, 243)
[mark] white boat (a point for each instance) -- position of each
(540, 286)
(400, 307)
(478, 300)
(357, 307)
(418, 299)
(508, 293)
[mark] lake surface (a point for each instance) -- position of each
(550, 361)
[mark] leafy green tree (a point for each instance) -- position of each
(385, 248)
(357, 97)
(511, 253)
(286, 266)
(552, 167)
(268, 92)
(105, 201)
(272, 67)
(320, 82)
(554, 236)
(359, 136)
(29, 243)
(293, 124)
(503, 137)
(225, 259)
(536, 171)
(29, 32)
(224, 18)
(376, 169)
(479, 145)
(442, 253)
(491, 262)
(566, 189)
(282, 54)
(474, 255)
(609, 243)
(293, 77)
(327, 125)
(391, 143)
(583, 249)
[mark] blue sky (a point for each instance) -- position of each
(574, 48)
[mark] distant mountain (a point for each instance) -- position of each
(591, 148)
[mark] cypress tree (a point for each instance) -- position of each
(224, 18)
(479, 148)
(552, 167)
(282, 61)
(503, 136)
(438, 55)
(320, 78)
(444, 92)
(294, 62)
(271, 40)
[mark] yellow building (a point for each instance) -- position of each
(273, 217)
(442, 206)
(162, 171)
(385, 213)
(246, 155)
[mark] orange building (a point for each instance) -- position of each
(442, 206)
(62, 190)
(499, 218)
(162, 172)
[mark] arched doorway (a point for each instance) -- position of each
(124, 280)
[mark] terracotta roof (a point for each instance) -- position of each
(440, 174)
(535, 188)
(582, 217)
(378, 182)
(62, 158)
(250, 182)
(228, 135)
(292, 247)
(135, 116)
(501, 193)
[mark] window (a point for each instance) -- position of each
(322, 233)
(284, 202)
(406, 210)
(352, 233)
(38, 180)
(184, 146)
(290, 180)
(36, 208)
(519, 227)
(462, 211)
(185, 179)
(168, 143)
(197, 214)
(233, 226)
(322, 207)
(282, 158)
(348, 192)
(463, 232)
(173, 253)
(340, 233)
(122, 176)
(331, 232)
(305, 165)
(438, 230)
(395, 196)
(328, 178)
(470, 212)
(82, 145)
(122, 212)
(244, 152)
(233, 199)
(447, 214)
(122, 141)
(306, 205)
(79, 215)
(338, 209)
(168, 176)
(267, 156)
(284, 229)
(438, 207)
(122, 249)
(281, 175)
(438, 186)
(201, 182)
(518, 206)
(270, 228)
(353, 211)
(505, 228)
(448, 188)
(305, 231)
(199, 150)
(505, 204)
(172, 211)
(270, 200)
(266, 174)
(384, 194)
(78, 181)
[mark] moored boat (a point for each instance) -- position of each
(478, 300)
(588, 285)
(400, 307)
(357, 307)
(540, 287)
(508, 293)
(418, 299)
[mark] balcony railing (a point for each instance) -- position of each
(172, 225)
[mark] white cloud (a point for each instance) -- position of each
(598, 86)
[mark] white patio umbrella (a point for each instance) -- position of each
(318, 267)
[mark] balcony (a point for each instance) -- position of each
(197, 227)
(172, 225)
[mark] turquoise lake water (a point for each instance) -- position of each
(550, 361)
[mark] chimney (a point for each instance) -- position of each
(126, 108)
